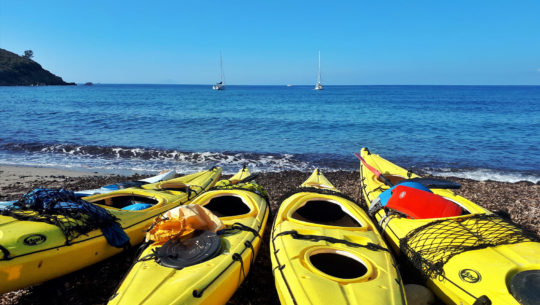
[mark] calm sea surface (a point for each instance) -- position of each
(480, 132)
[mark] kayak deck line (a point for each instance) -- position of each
(316, 238)
(236, 257)
(280, 266)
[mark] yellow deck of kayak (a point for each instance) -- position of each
(468, 275)
(301, 281)
(213, 281)
(51, 257)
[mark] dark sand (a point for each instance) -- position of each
(95, 284)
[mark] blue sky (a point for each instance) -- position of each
(276, 42)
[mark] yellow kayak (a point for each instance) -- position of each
(35, 251)
(326, 250)
(467, 254)
(174, 273)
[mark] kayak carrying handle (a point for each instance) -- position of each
(374, 171)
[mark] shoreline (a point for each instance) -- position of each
(13, 173)
(95, 284)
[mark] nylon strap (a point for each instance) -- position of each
(316, 238)
(241, 227)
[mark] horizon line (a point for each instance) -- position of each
(309, 85)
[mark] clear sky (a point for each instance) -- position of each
(276, 42)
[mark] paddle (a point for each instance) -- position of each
(376, 204)
(373, 170)
(427, 182)
(434, 183)
(249, 178)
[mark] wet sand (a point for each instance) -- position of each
(95, 284)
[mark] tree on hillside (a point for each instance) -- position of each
(28, 54)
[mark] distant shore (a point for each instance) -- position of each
(95, 284)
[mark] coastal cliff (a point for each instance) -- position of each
(18, 70)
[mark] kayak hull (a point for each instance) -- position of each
(210, 282)
(49, 256)
(327, 261)
(469, 276)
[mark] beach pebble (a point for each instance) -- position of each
(419, 295)
(95, 284)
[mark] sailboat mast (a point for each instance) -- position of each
(221, 66)
(319, 77)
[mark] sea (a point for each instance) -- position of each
(476, 132)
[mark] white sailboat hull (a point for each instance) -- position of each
(218, 87)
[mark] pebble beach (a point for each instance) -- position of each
(95, 284)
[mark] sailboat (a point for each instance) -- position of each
(319, 86)
(221, 84)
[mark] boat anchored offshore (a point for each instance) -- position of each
(326, 250)
(50, 233)
(221, 84)
(467, 254)
(319, 86)
(201, 253)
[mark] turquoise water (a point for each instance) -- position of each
(481, 132)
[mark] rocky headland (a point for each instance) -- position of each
(16, 70)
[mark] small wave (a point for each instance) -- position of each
(142, 159)
(483, 174)
(145, 160)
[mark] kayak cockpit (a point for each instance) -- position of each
(226, 206)
(128, 202)
(325, 212)
(338, 263)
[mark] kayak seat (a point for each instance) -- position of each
(420, 204)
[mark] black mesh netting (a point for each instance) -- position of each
(71, 214)
(429, 247)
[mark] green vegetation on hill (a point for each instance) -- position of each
(18, 70)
